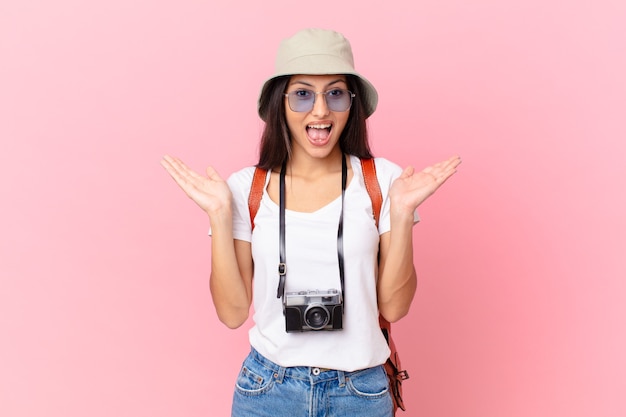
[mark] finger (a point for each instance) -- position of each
(193, 175)
(408, 171)
(182, 170)
(175, 162)
(173, 165)
(213, 174)
(177, 176)
(439, 175)
(445, 168)
(448, 164)
(452, 165)
(453, 162)
(444, 175)
(170, 166)
(186, 179)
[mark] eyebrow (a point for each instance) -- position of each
(339, 80)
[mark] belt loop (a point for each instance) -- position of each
(279, 374)
(342, 378)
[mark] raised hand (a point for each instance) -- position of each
(412, 188)
(211, 193)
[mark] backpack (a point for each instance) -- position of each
(392, 366)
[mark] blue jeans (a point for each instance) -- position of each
(265, 389)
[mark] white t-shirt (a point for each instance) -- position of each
(311, 259)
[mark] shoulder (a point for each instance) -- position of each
(241, 180)
(386, 171)
(386, 167)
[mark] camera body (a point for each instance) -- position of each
(313, 310)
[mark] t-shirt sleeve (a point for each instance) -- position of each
(387, 172)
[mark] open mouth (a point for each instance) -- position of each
(319, 132)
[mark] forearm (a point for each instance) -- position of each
(230, 286)
(231, 262)
(397, 279)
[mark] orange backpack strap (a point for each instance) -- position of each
(256, 192)
(372, 187)
(369, 177)
(393, 367)
(395, 373)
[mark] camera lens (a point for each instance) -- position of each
(316, 317)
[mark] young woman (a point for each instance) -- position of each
(314, 263)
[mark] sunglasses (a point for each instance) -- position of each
(303, 100)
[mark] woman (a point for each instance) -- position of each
(317, 348)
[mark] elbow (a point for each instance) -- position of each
(233, 321)
(232, 324)
(393, 315)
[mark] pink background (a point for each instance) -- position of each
(104, 264)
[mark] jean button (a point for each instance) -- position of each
(316, 371)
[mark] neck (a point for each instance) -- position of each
(307, 166)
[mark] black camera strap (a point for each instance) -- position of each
(282, 266)
(344, 178)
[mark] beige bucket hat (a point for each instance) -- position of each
(318, 52)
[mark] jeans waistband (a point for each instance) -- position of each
(298, 372)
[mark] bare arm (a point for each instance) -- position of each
(231, 260)
(231, 275)
(397, 278)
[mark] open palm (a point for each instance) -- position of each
(211, 193)
(412, 188)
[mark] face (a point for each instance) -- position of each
(315, 132)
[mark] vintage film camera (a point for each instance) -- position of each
(313, 310)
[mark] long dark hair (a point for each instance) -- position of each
(275, 144)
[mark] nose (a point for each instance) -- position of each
(320, 108)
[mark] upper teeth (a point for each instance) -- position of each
(325, 126)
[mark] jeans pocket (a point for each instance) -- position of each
(253, 380)
(369, 383)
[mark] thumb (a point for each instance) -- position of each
(212, 173)
(408, 171)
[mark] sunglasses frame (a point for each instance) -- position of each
(315, 94)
